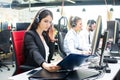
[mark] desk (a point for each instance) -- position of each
(114, 70)
(106, 76)
(22, 76)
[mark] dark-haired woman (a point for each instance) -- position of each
(35, 46)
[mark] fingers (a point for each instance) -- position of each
(53, 68)
(50, 67)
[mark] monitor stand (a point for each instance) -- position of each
(97, 63)
(81, 74)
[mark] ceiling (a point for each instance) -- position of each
(35, 3)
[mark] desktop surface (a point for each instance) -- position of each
(45, 75)
(105, 76)
(79, 74)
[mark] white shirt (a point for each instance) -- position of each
(46, 50)
(84, 40)
(72, 42)
(91, 35)
(85, 36)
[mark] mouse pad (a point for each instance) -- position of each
(45, 75)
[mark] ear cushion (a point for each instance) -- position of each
(73, 22)
(37, 20)
(89, 23)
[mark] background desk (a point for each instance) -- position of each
(106, 76)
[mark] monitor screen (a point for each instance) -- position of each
(4, 26)
(22, 26)
(113, 28)
(97, 35)
(118, 33)
(118, 19)
(0, 26)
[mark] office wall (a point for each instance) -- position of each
(91, 12)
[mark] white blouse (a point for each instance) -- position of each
(46, 50)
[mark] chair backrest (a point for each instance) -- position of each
(62, 30)
(17, 41)
(5, 41)
(61, 36)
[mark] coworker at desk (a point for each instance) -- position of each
(88, 32)
(91, 28)
(36, 50)
(72, 42)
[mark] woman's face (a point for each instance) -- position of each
(45, 23)
(79, 25)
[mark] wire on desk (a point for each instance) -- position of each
(101, 73)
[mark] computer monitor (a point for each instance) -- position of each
(4, 25)
(22, 26)
(113, 28)
(97, 35)
(118, 19)
(104, 45)
(0, 26)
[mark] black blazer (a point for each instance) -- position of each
(34, 50)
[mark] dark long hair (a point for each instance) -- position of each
(42, 13)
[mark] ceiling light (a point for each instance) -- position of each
(111, 9)
(83, 9)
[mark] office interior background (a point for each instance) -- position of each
(26, 15)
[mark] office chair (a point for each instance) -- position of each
(4, 46)
(62, 30)
(17, 41)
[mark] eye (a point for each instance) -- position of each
(47, 21)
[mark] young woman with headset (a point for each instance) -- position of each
(72, 42)
(36, 50)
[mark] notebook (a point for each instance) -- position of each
(72, 61)
(43, 74)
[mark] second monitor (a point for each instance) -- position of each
(97, 35)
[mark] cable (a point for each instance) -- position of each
(94, 77)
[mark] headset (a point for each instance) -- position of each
(37, 20)
(89, 23)
(73, 22)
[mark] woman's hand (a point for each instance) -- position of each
(50, 67)
(87, 52)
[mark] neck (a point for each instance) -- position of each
(76, 30)
(39, 31)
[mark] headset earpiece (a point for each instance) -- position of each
(73, 22)
(90, 24)
(37, 20)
